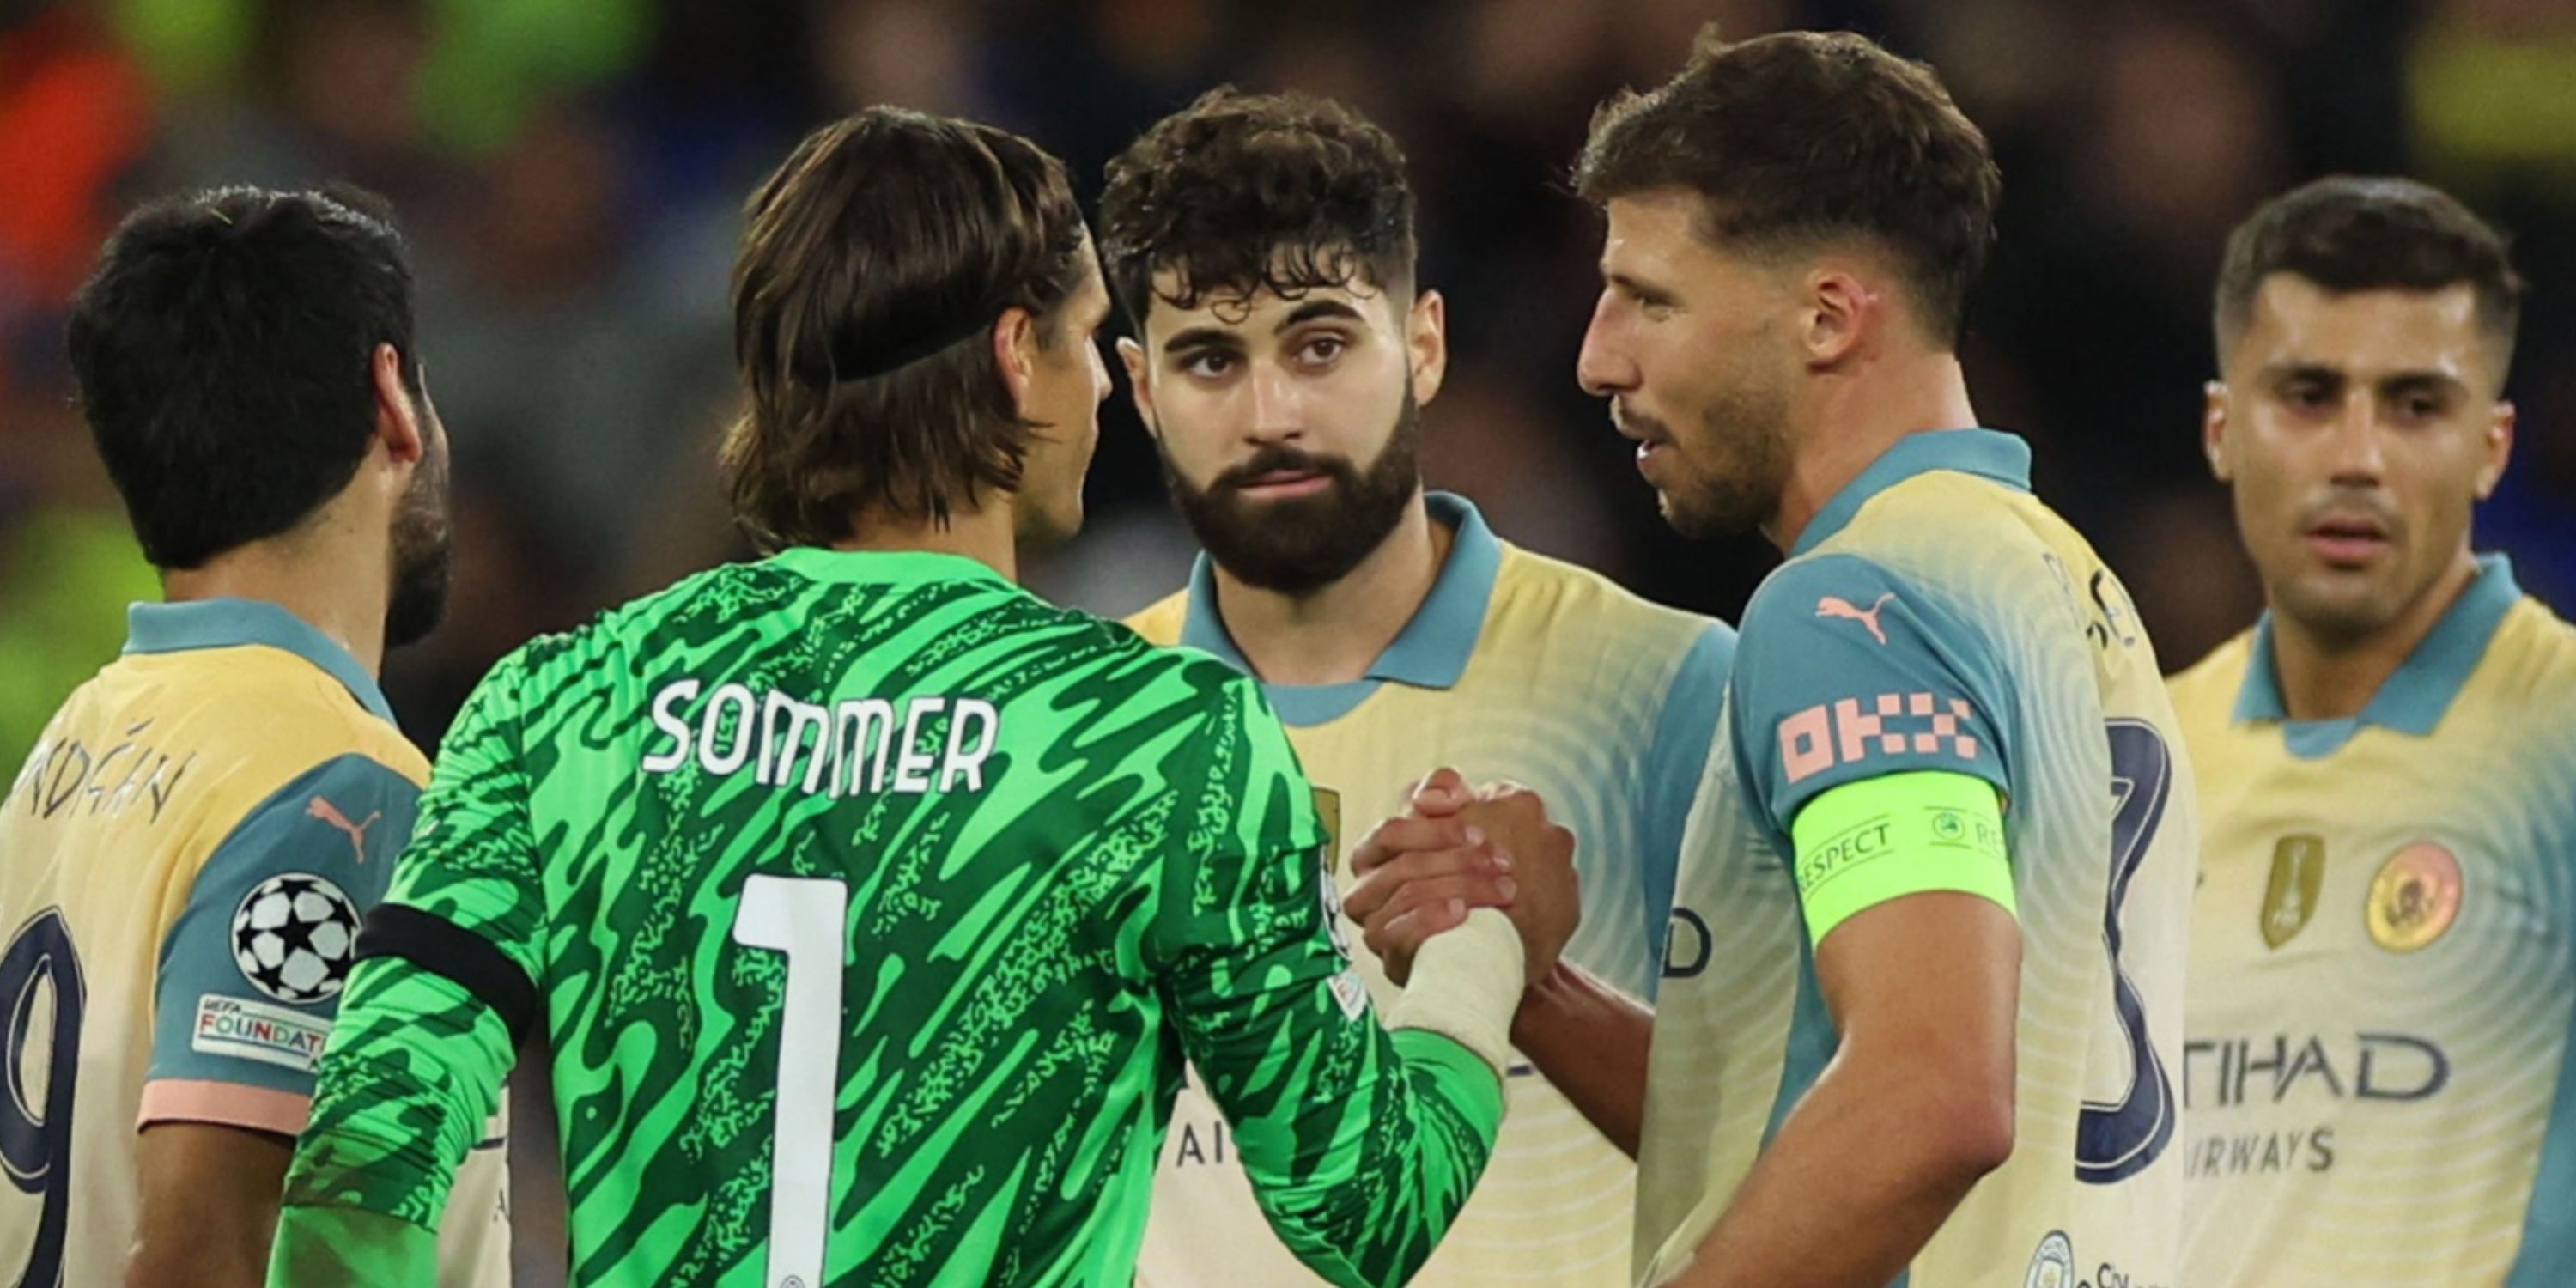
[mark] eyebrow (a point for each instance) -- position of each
(1216, 337)
(2274, 373)
(2407, 382)
(1313, 310)
(1202, 337)
(1642, 290)
(2393, 383)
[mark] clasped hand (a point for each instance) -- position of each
(1456, 850)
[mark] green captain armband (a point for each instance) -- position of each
(1862, 844)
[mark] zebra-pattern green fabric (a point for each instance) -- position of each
(874, 905)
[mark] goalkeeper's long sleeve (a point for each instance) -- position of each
(412, 1070)
(428, 1025)
(1361, 1144)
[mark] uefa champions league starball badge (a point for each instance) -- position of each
(294, 938)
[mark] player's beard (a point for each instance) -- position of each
(1736, 461)
(1302, 544)
(420, 542)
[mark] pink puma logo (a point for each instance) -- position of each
(1837, 606)
(330, 813)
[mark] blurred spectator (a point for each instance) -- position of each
(2494, 121)
(556, 365)
(572, 173)
(74, 114)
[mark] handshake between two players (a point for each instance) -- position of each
(1458, 849)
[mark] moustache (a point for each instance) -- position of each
(1276, 459)
(2342, 504)
(1637, 424)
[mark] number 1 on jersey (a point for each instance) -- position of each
(804, 918)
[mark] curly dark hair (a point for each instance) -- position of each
(878, 257)
(1239, 192)
(2350, 233)
(1802, 136)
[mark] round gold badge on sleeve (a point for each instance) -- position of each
(2415, 897)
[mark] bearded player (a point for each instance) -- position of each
(1946, 752)
(2382, 989)
(1263, 249)
(185, 856)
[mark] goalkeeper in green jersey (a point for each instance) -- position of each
(872, 905)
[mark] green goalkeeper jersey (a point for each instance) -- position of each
(872, 906)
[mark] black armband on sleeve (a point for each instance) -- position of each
(443, 948)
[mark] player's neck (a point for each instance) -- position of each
(1856, 418)
(1331, 635)
(324, 577)
(2324, 677)
(988, 536)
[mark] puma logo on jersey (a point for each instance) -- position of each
(330, 813)
(1837, 606)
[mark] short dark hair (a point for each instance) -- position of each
(1239, 192)
(2352, 233)
(1802, 136)
(877, 259)
(223, 350)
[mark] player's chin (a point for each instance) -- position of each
(1694, 517)
(2342, 601)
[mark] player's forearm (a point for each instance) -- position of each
(412, 1070)
(1590, 1040)
(214, 1254)
(1862, 1174)
(209, 1205)
(1365, 1207)
(330, 1247)
(1371, 1211)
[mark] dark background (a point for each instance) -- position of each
(571, 174)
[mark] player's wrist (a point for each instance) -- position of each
(1554, 1010)
(1465, 986)
(1543, 1004)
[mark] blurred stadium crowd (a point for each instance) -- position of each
(571, 174)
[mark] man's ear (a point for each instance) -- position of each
(1842, 311)
(2499, 446)
(1015, 351)
(1132, 355)
(2213, 430)
(1426, 342)
(398, 424)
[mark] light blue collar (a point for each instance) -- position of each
(1432, 650)
(232, 623)
(1986, 453)
(2421, 689)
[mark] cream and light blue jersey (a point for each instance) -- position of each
(184, 859)
(2377, 1078)
(1936, 616)
(1520, 667)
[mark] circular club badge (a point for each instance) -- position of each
(2053, 1265)
(2415, 897)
